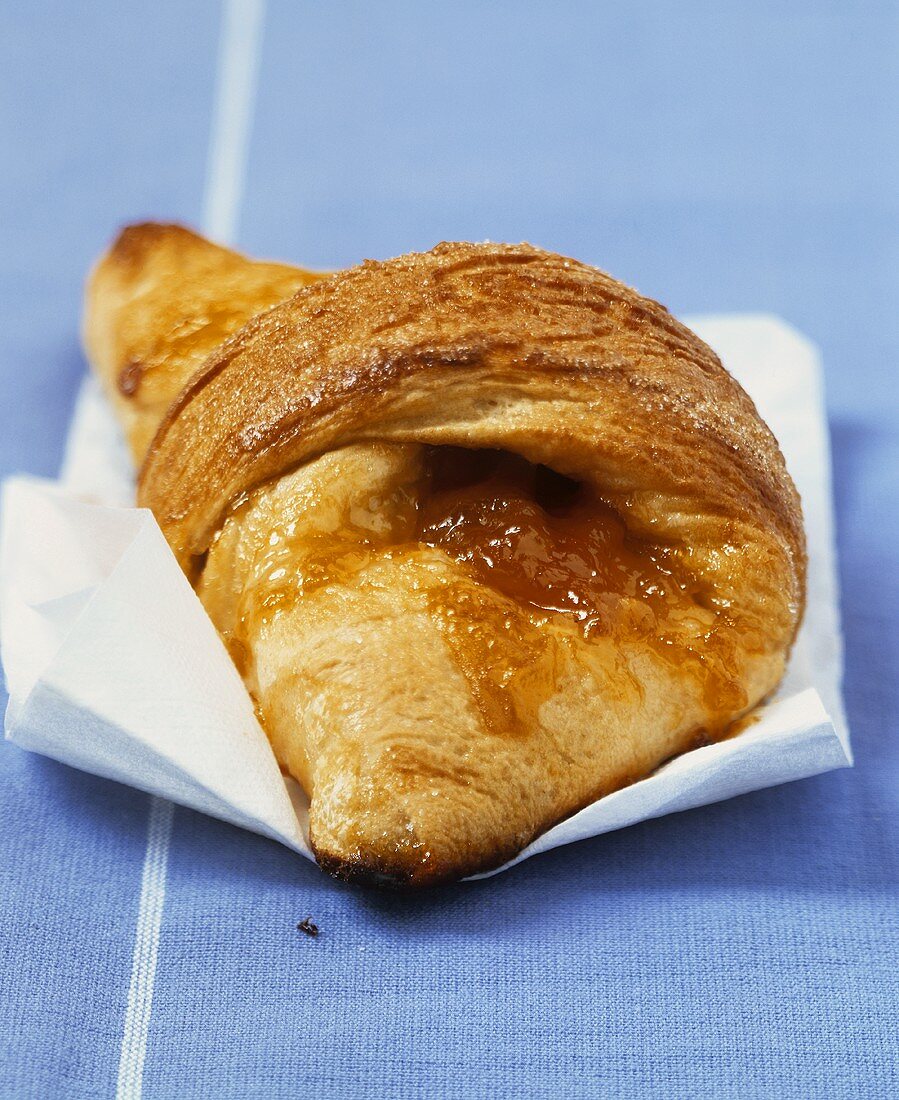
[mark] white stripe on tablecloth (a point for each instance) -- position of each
(238, 66)
(146, 946)
(235, 99)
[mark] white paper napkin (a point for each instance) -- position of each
(113, 666)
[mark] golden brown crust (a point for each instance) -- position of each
(484, 345)
(157, 303)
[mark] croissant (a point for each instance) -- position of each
(487, 534)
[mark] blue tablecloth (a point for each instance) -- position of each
(718, 156)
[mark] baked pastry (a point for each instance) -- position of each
(487, 534)
(158, 303)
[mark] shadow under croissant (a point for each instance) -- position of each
(756, 841)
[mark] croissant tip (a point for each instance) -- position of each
(388, 871)
(405, 876)
(133, 240)
(362, 872)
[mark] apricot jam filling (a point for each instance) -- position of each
(540, 538)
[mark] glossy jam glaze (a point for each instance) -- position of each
(553, 549)
(552, 546)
